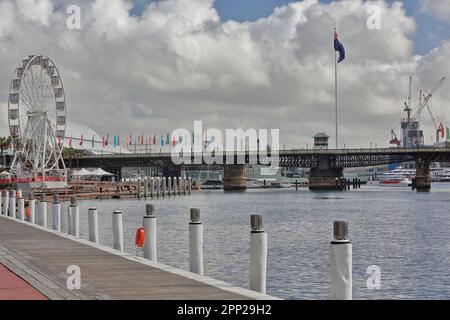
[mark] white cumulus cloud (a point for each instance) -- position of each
(179, 62)
(437, 8)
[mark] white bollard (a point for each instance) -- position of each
(341, 263)
(21, 209)
(118, 230)
(32, 206)
(93, 225)
(184, 186)
(56, 213)
(150, 233)
(75, 223)
(42, 214)
(258, 255)
(196, 242)
(12, 204)
(5, 202)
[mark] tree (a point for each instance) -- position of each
(70, 152)
(5, 143)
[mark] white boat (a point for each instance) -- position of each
(399, 177)
(212, 184)
(439, 174)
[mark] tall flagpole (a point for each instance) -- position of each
(336, 95)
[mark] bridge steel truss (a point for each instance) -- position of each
(341, 158)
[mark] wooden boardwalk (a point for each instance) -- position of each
(41, 258)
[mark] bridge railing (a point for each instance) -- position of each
(353, 151)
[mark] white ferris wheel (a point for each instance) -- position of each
(37, 120)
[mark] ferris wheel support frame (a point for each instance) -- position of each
(37, 143)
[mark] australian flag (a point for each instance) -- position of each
(339, 47)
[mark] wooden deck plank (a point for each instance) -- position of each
(41, 258)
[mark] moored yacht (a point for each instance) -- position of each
(399, 177)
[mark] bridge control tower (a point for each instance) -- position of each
(325, 176)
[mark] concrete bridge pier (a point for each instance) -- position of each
(325, 176)
(423, 179)
(234, 177)
(327, 179)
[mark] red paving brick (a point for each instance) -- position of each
(13, 287)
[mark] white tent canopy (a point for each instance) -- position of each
(82, 173)
(101, 173)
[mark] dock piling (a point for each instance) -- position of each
(42, 214)
(258, 255)
(138, 188)
(118, 230)
(5, 202)
(164, 186)
(56, 213)
(93, 224)
(341, 263)
(73, 219)
(21, 209)
(152, 187)
(169, 186)
(32, 206)
(158, 187)
(12, 203)
(196, 242)
(150, 233)
(145, 187)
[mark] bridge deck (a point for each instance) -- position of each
(41, 258)
(339, 158)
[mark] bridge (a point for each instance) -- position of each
(326, 165)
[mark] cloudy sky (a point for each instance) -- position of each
(155, 66)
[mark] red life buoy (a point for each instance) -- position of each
(140, 237)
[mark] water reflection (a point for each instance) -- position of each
(405, 233)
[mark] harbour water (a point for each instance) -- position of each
(406, 234)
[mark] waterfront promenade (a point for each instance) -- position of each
(41, 258)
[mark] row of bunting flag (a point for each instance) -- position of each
(129, 141)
